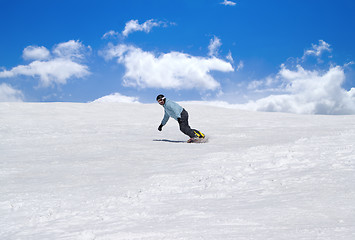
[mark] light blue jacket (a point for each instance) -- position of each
(171, 109)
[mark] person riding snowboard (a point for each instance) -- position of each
(174, 110)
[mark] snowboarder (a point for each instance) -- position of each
(174, 110)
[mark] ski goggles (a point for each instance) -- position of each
(161, 99)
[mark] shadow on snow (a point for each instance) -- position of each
(167, 140)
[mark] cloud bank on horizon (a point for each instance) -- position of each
(116, 98)
(294, 88)
(308, 92)
(10, 94)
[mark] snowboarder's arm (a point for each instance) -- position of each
(165, 119)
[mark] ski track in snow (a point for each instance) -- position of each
(103, 171)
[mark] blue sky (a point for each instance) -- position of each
(239, 52)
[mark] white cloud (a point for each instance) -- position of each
(230, 57)
(71, 50)
(308, 92)
(255, 84)
(110, 34)
(35, 53)
(240, 65)
(53, 71)
(351, 94)
(215, 44)
(347, 65)
(172, 70)
(117, 97)
(9, 94)
(228, 3)
(57, 69)
(318, 50)
(134, 26)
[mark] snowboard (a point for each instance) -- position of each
(198, 140)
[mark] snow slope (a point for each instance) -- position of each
(103, 171)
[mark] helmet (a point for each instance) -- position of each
(160, 96)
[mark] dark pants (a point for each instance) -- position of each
(184, 124)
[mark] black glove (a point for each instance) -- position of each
(179, 120)
(160, 127)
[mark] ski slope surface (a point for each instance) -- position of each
(102, 171)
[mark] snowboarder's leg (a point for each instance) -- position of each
(184, 124)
